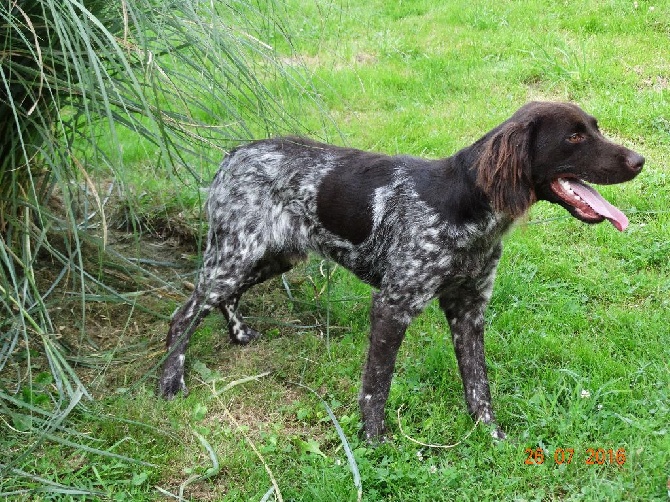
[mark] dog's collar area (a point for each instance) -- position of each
(587, 203)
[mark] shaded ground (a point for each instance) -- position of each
(114, 337)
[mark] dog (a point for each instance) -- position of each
(414, 229)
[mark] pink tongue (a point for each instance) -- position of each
(600, 205)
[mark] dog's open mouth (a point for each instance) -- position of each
(587, 204)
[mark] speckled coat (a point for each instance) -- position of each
(414, 229)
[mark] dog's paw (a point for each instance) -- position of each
(374, 440)
(170, 385)
(498, 434)
(379, 440)
(374, 433)
(244, 336)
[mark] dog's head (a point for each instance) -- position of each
(548, 151)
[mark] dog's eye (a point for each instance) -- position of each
(576, 137)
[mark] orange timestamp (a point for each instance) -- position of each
(590, 456)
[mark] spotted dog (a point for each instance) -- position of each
(414, 229)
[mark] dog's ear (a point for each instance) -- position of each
(504, 168)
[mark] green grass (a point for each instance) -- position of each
(577, 333)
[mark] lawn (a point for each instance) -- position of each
(578, 336)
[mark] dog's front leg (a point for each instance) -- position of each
(465, 315)
(387, 330)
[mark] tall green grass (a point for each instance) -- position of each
(88, 91)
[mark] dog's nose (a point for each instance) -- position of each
(635, 161)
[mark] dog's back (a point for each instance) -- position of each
(262, 196)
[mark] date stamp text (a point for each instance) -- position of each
(588, 456)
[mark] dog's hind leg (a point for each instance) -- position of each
(269, 266)
(218, 285)
(184, 322)
(222, 278)
(237, 329)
